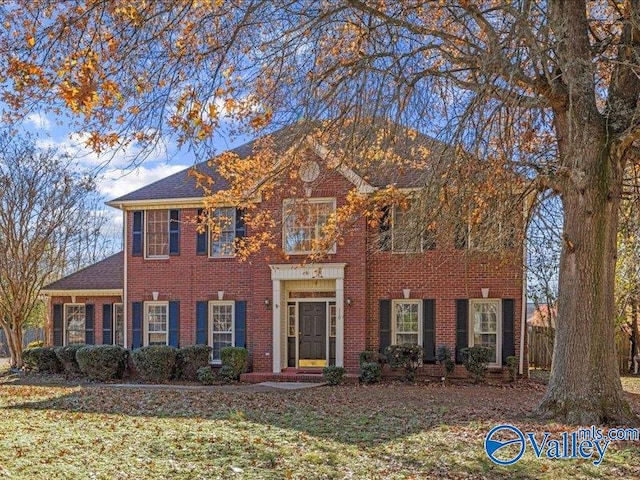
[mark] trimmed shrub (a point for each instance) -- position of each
(443, 357)
(333, 375)
(512, 366)
(226, 373)
(370, 372)
(476, 360)
(41, 359)
(155, 363)
(206, 376)
(102, 362)
(67, 357)
(236, 358)
(407, 357)
(35, 344)
(190, 359)
(369, 356)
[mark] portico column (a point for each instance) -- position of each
(275, 302)
(339, 322)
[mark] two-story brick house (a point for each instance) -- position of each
(176, 285)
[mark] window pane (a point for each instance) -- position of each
(332, 319)
(157, 233)
(220, 341)
(304, 223)
(485, 325)
(75, 324)
(157, 324)
(223, 232)
(291, 320)
(407, 323)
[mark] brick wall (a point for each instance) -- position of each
(98, 303)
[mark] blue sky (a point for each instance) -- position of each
(115, 173)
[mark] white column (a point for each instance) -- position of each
(275, 302)
(339, 322)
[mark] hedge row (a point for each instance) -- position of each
(157, 363)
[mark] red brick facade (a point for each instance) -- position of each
(444, 275)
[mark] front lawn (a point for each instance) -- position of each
(386, 431)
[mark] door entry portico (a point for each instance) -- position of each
(312, 350)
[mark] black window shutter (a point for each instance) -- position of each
(385, 324)
(508, 337)
(89, 316)
(241, 227)
(58, 325)
(429, 330)
(136, 240)
(201, 238)
(384, 230)
(136, 324)
(174, 324)
(174, 232)
(462, 327)
(240, 327)
(202, 333)
(107, 327)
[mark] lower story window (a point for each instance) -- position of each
(75, 317)
(407, 317)
(118, 324)
(486, 324)
(156, 323)
(221, 319)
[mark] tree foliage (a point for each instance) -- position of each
(42, 210)
(546, 90)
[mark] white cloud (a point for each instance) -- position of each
(117, 182)
(39, 121)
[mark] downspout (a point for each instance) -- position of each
(124, 286)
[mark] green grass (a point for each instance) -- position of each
(385, 431)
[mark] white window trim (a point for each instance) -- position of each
(232, 255)
(64, 320)
(145, 327)
(393, 318)
(288, 201)
(498, 303)
(113, 322)
(144, 235)
(213, 303)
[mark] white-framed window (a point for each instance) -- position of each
(118, 324)
(406, 235)
(157, 233)
(75, 327)
(406, 322)
(156, 323)
(332, 319)
(304, 222)
(221, 324)
(222, 238)
(486, 326)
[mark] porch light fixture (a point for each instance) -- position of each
(155, 296)
(348, 300)
(267, 302)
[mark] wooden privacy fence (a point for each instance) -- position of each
(541, 351)
(30, 335)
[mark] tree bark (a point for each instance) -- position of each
(585, 387)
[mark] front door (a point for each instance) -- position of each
(313, 334)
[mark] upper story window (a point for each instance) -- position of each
(217, 238)
(157, 232)
(222, 240)
(403, 231)
(304, 222)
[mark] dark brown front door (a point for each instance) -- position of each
(313, 331)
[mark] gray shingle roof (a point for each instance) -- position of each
(107, 274)
(181, 185)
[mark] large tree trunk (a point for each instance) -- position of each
(14, 342)
(585, 387)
